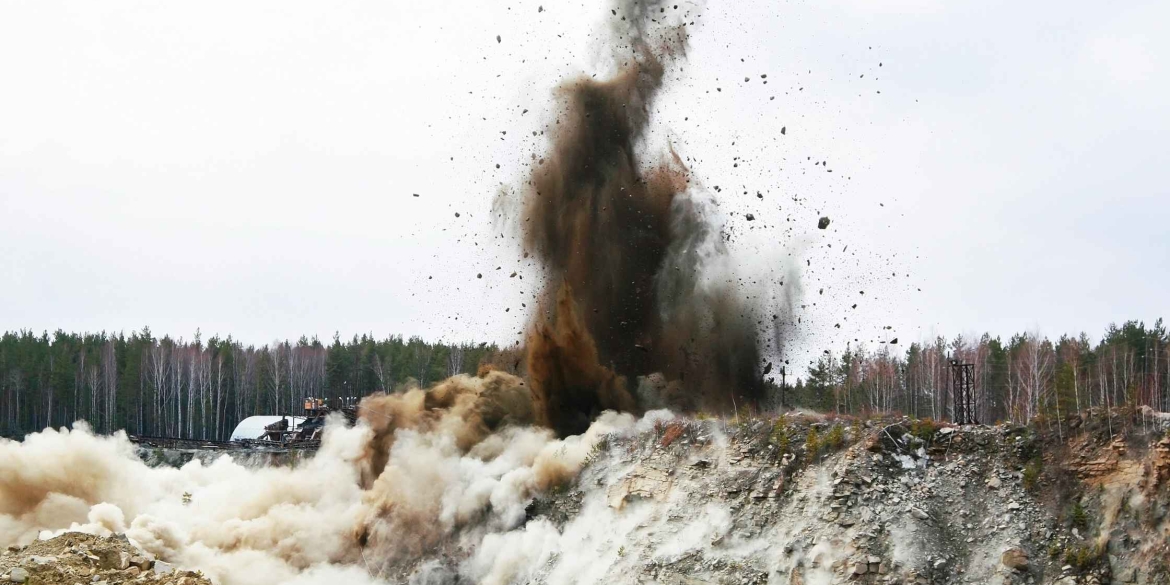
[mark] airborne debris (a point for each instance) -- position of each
(823, 223)
(610, 278)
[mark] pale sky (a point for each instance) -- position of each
(247, 168)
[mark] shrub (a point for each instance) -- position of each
(1054, 550)
(779, 435)
(1083, 557)
(812, 443)
(1032, 473)
(1080, 519)
(924, 428)
(835, 439)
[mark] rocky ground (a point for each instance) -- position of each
(75, 558)
(804, 500)
(800, 499)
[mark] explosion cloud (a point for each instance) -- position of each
(638, 312)
(626, 249)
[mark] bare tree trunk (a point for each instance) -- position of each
(110, 369)
(49, 392)
(220, 409)
(455, 359)
(78, 384)
(159, 374)
(141, 385)
(94, 381)
(277, 375)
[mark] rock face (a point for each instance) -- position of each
(899, 502)
(644, 482)
(83, 558)
(1162, 461)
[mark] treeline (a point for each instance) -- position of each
(200, 389)
(1026, 377)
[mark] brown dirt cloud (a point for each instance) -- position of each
(621, 244)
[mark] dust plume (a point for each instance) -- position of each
(629, 251)
(639, 309)
(467, 407)
(453, 473)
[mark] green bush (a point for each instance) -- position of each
(1054, 550)
(924, 428)
(779, 436)
(835, 439)
(1083, 557)
(1032, 473)
(812, 443)
(1080, 518)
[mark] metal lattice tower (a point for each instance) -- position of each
(963, 393)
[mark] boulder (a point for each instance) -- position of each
(18, 575)
(1015, 559)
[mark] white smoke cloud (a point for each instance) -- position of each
(301, 524)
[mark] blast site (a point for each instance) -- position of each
(705, 385)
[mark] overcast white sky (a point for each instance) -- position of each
(247, 168)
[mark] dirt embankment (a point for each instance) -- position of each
(75, 558)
